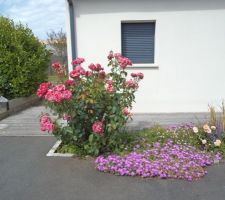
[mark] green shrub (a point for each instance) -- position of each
(95, 104)
(23, 60)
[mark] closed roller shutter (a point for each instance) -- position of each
(138, 41)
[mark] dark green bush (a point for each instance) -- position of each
(23, 60)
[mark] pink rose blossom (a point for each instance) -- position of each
(77, 61)
(69, 82)
(80, 70)
(131, 84)
(117, 55)
(110, 56)
(134, 75)
(102, 74)
(74, 74)
(67, 95)
(46, 123)
(56, 66)
(94, 67)
(97, 127)
(43, 89)
(124, 62)
(140, 75)
(126, 112)
(88, 73)
(59, 87)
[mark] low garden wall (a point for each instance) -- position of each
(18, 104)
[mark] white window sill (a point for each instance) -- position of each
(145, 65)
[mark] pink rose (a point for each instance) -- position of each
(110, 56)
(59, 87)
(131, 84)
(67, 94)
(97, 127)
(126, 112)
(94, 67)
(88, 73)
(74, 74)
(124, 62)
(56, 66)
(102, 74)
(80, 70)
(134, 75)
(140, 75)
(46, 123)
(77, 61)
(69, 82)
(43, 89)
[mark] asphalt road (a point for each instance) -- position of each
(27, 174)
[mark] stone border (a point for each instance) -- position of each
(52, 151)
(19, 104)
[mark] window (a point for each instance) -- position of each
(138, 41)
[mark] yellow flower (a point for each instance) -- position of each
(213, 127)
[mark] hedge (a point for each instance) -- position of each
(23, 60)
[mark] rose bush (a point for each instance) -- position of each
(94, 104)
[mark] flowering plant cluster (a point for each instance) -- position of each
(94, 104)
(210, 137)
(167, 161)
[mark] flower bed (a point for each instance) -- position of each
(95, 105)
(167, 161)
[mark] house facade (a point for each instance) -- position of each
(178, 45)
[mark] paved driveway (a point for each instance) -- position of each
(27, 174)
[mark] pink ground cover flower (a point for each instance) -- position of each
(77, 61)
(43, 89)
(46, 123)
(97, 127)
(167, 161)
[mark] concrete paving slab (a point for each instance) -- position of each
(27, 174)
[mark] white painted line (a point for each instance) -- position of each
(52, 151)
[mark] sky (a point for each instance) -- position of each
(41, 16)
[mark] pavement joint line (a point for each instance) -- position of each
(52, 151)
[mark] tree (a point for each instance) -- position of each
(57, 43)
(23, 60)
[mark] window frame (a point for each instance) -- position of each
(141, 65)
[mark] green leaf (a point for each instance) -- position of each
(91, 138)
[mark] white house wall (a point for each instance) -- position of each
(189, 48)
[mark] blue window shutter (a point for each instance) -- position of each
(138, 41)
